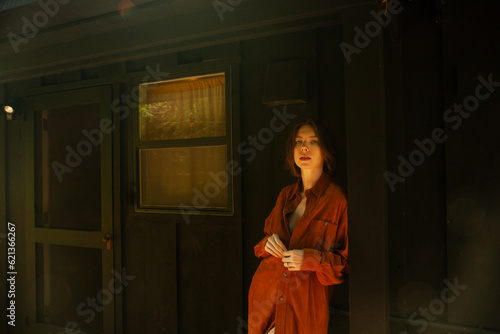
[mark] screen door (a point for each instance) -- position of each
(72, 284)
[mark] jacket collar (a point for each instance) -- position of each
(318, 188)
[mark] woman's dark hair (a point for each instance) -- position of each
(325, 143)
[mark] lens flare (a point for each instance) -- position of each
(126, 8)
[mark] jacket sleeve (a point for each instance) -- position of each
(331, 266)
(268, 228)
(259, 248)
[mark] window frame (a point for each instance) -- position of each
(226, 140)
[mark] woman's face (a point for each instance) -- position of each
(307, 153)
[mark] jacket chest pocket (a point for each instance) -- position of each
(325, 232)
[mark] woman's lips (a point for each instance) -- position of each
(305, 158)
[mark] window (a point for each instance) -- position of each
(184, 145)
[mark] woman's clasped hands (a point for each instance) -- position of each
(292, 259)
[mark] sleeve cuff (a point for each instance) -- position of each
(312, 259)
(260, 250)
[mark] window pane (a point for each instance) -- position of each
(68, 198)
(187, 108)
(184, 177)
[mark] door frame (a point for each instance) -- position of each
(88, 239)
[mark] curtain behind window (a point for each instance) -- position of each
(191, 108)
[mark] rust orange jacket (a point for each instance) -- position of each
(297, 302)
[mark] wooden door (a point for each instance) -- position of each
(69, 213)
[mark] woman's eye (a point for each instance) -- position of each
(314, 142)
(298, 142)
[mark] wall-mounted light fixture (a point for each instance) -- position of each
(9, 112)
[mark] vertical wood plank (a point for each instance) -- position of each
(473, 163)
(366, 164)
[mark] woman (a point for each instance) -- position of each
(305, 248)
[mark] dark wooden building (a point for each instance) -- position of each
(142, 146)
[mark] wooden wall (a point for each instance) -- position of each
(443, 227)
(442, 221)
(471, 51)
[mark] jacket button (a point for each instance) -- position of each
(282, 298)
(326, 224)
(285, 274)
